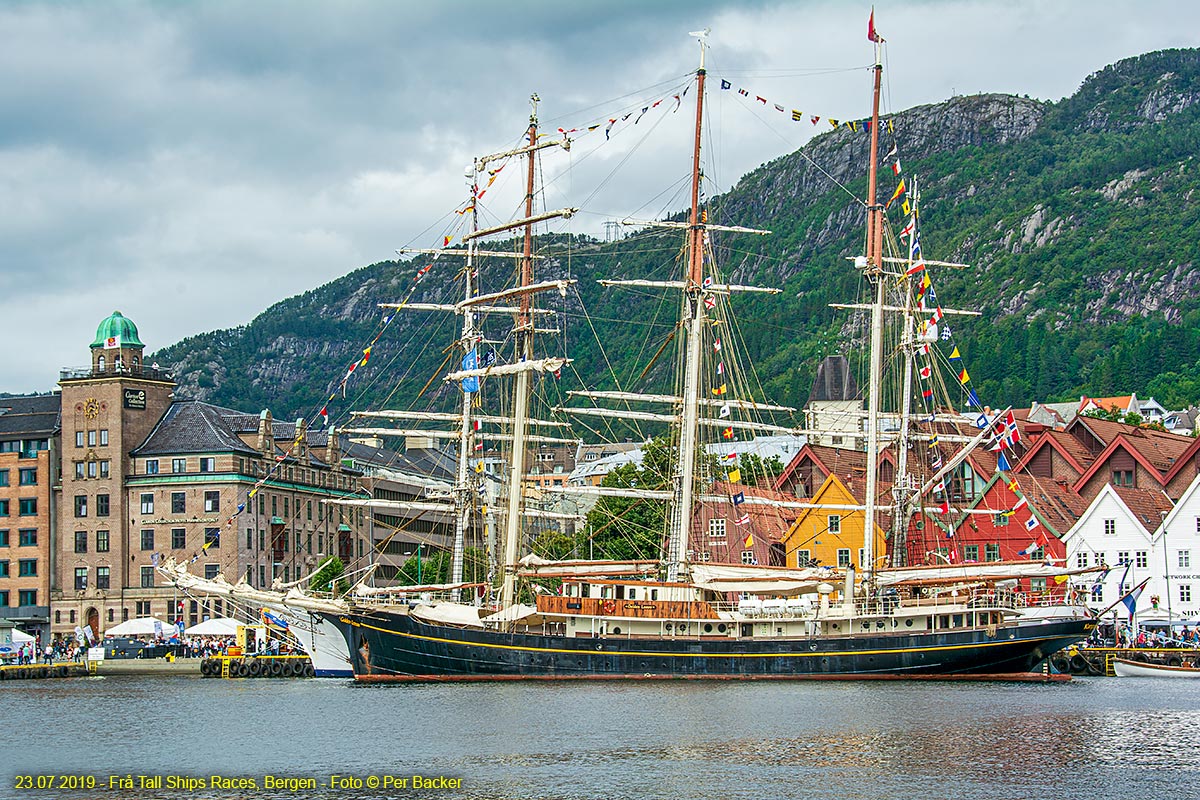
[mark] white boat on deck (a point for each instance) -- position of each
(1140, 669)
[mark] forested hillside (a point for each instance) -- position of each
(1080, 220)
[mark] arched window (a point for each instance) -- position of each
(100, 362)
(117, 365)
(136, 363)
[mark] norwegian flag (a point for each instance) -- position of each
(1010, 423)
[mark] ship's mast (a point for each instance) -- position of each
(464, 488)
(693, 314)
(524, 334)
(874, 271)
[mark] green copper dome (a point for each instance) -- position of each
(119, 327)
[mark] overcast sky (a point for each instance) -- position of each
(192, 163)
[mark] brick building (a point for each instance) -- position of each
(147, 476)
(29, 461)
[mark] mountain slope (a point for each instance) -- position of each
(1079, 219)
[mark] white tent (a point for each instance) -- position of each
(221, 626)
(20, 637)
(142, 626)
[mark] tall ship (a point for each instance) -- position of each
(673, 616)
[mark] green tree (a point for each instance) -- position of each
(624, 528)
(330, 574)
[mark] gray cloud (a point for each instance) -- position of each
(190, 164)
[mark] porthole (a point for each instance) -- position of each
(721, 628)
(708, 627)
(667, 626)
(616, 631)
(908, 623)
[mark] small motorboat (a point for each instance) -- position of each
(1141, 669)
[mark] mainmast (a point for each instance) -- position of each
(874, 272)
(521, 393)
(693, 314)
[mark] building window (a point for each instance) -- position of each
(178, 465)
(103, 437)
(178, 538)
(147, 578)
(3, 508)
(91, 469)
(148, 540)
(748, 557)
(1141, 559)
(1037, 585)
(310, 510)
(147, 503)
(3, 538)
(210, 571)
(80, 578)
(843, 556)
(27, 537)
(27, 568)
(208, 464)
(262, 576)
(178, 503)
(101, 505)
(991, 552)
(212, 537)
(81, 541)
(212, 501)
(91, 438)
(1000, 520)
(716, 527)
(1081, 559)
(1185, 593)
(1110, 527)
(1122, 477)
(79, 438)
(833, 523)
(152, 466)
(101, 541)
(102, 582)
(1038, 554)
(1122, 558)
(27, 506)
(4, 600)
(4, 569)
(804, 558)
(27, 597)
(971, 552)
(249, 539)
(28, 476)
(1185, 559)
(79, 470)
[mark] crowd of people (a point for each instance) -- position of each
(1124, 636)
(70, 649)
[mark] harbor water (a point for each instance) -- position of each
(1092, 737)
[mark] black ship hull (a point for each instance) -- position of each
(397, 647)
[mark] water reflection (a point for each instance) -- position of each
(1116, 737)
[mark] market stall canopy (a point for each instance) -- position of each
(142, 626)
(221, 626)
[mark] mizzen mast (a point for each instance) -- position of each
(874, 272)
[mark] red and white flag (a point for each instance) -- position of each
(873, 34)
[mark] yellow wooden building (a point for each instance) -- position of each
(831, 536)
